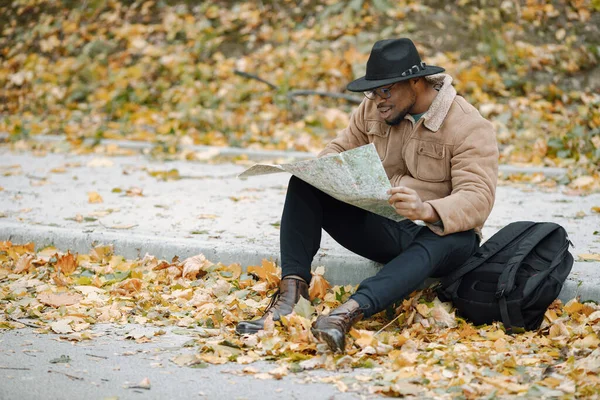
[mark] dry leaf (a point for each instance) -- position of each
(134, 191)
(94, 197)
(59, 299)
(100, 162)
(23, 264)
(186, 360)
(61, 326)
(268, 272)
(130, 286)
(441, 316)
(589, 257)
(67, 264)
(192, 266)
(102, 253)
(143, 384)
(318, 284)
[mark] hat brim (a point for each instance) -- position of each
(363, 84)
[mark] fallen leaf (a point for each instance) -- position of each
(67, 264)
(143, 384)
(187, 360)
(589, 257)
(193, 266)
(207, 216)
(59, 299)
(304, 308)
(130, 286)
(100, 162)
(61, 326)
(268, 272)
(134, 191)
(24, 264)
(62, 359)
(94, 197)
(318, 284)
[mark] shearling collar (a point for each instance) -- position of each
(434, 117)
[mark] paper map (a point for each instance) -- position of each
(355, 177)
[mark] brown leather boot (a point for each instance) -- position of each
(332, 328)
(282, 303)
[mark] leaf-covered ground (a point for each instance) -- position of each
(176, 73)
(420, 348)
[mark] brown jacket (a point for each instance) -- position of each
(450, 156)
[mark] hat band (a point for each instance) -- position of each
(414, 69)
(411, 71)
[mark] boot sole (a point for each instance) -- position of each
(327, 338)
(247, 331)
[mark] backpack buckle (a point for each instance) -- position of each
(500, 293)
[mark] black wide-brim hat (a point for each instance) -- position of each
(392, 60)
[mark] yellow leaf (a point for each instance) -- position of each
(134, 191)
(573, 306)
(495, 335)
(589, 257)
(101, 253)
(591, 341)
(363, 338)
(67, 263)
(59, 299)
(193, 266)
(402, 359)
(318, 287)
(235, 269)
(500, 345)
(130, 286)
(268, 272)
(62, 326)
(423, 309)
(596, 209)
(94, 197)
(24, 263)
(441, 316)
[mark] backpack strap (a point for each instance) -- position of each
(512, 316)
(506, 281)
(496, 243)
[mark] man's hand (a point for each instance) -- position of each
(408, 204)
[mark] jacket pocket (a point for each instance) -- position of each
(432, 162)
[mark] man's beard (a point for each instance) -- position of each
(402, 113)
(398, 118)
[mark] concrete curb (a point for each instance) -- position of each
(341, 269)
(260, 155)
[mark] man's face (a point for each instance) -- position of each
(402, 99)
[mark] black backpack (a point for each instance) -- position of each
(513, 277)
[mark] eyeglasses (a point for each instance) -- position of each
(384, 93)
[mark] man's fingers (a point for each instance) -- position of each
(401, 189)
(401, 197)
(404, 206)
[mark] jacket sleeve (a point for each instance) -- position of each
(350, 137)
(474, 175)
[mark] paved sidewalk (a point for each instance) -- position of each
(208, 210)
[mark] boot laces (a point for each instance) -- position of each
(274, 297)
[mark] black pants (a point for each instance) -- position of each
(410, 253)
